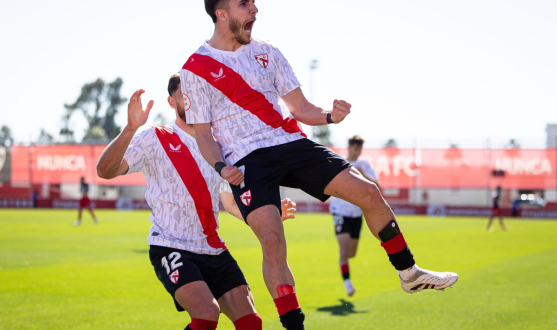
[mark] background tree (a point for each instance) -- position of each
(513, 144)
(6, 138)
(45, 138)
(391, 143)
(99, 103)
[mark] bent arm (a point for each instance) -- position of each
(230, 205)
(112, 162)
(303, 110)
(209, 148)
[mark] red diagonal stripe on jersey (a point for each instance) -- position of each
(239, 92)
(189, 172)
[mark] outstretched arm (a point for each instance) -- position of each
(210, 150)
(309, 114)
(112, 162)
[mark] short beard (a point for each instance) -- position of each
(181, 111)
(235, 27)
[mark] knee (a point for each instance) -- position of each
(372, 195)
(273, 244)
(208, 311)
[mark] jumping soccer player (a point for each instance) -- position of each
(496, 210)
(188, 256)
(231, 86)
(347, 217)
(84, 203)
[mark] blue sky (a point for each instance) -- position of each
(429, 73)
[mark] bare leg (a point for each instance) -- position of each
(502, 224)
(237, 303)
(351, 186)
(79, 213)
(267, 225)
(344, 245)
(489, 223)
(93, 214)
(198, 301)
(353, 247)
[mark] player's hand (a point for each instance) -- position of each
(288, 208)
(232, 174)
(137, 117)
(341, 109)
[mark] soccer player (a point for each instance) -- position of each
(231, 86)
(347, 217)
(496, 210)
(189, 257)
(84, 202)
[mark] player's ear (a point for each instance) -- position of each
(221, 15)
(172, 102)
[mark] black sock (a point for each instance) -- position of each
(293, 320)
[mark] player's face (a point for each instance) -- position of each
(179, 102)
(241, 17)
(354, 151)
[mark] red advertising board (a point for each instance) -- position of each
(396, 168)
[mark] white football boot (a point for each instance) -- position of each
(427, 279)
(349, 287)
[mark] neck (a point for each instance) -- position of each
(188, 128)
(224, 40)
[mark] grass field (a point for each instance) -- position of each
(56, 276)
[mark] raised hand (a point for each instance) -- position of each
(288, 208)
(341, 109)
(137, 117)
(232, 174)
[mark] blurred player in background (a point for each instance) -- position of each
(231, 87)
(84, 202)
(496, 210)
(347, 217)
(189, 257)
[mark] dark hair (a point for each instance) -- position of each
(173, 83)
(211, 7)
(356, 139)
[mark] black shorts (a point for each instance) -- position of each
(352, 226)
(302, 164)
(176, 268)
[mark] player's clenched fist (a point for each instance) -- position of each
(232, 174)
(341, 109)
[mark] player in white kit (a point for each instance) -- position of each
(231, 86)
(347, 218)
(188, 256)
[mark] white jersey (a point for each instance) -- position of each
(238, 93)
(343, 208)
(175, 219)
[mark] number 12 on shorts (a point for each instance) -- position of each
(173, 257)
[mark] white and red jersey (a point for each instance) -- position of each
(238, 93)
(343, 208)
(184, 198)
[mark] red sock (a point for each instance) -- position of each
(199, 324)
(345, 270)
(249, 322)
(287, 300)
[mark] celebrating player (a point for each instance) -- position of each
(84, 203)
(347, 217)
(231, 86)
(189, 257)
(496, 210)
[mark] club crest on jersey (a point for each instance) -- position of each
(175, 276)
(175, 149)
(187, 101)
(218, 76)
(246, 198)
(263, 60)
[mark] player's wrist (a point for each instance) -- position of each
(219, 166)
(329, 118)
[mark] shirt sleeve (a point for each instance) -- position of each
(135, 155)
(196, 98)
(368, 170)
(224, 187)
(285, 79)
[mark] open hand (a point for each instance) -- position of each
(137, 117)
(288, 208)
(341, 109)
(232, 174)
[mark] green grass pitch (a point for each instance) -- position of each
(56, 276)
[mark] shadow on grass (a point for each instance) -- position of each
(345, 308)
